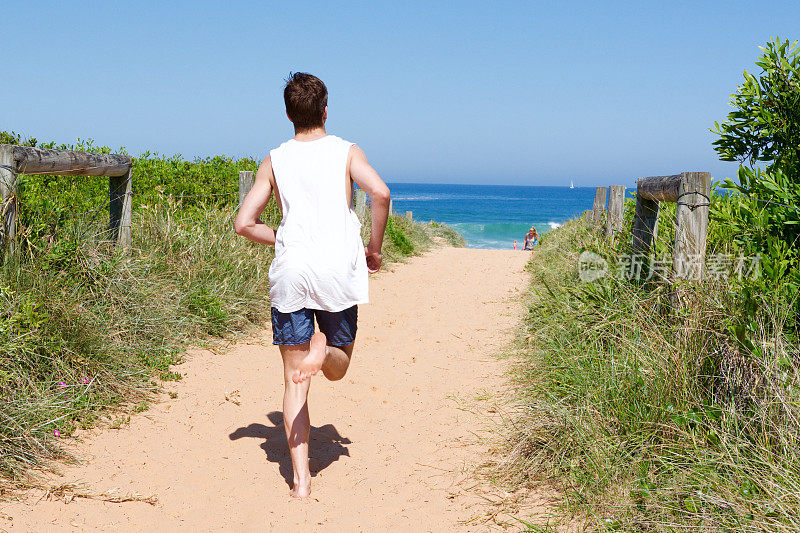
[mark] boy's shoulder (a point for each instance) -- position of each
(287, 150)
(332, 139)
(281, 146)
(292, 148)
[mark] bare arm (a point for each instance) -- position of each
(247, 223)
(370, 182)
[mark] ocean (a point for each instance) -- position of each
(492, 216)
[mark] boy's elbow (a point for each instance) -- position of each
(382, 194)
(239, 227)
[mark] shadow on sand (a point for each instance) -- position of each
(325, 446)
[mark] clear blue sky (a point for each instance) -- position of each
(532, 93)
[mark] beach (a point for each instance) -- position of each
(492, 216)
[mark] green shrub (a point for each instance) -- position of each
(398, 238)
(765, 124)
(761, 216)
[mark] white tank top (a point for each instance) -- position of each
(319, 256)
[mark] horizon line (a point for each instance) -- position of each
(495, 184)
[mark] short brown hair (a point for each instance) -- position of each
(306, 97)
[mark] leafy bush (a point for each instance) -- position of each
(765, 123)
(398, 238)
(49, 203)
(762, 215)
(769, 230)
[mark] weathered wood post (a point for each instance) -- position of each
(616, 206)
(599, 206)
(645, 225)
(245, 184)
(120, 206)
(409, 215)
(691, 219)
(690, 190)
(8, 192)
(360, 204)
(391, 209)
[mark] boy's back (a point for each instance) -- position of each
(319, 257)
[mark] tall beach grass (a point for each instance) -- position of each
(647, 416)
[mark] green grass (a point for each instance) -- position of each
(445, 233)
(649, 417)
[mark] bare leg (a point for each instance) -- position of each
(332, 360)
(295, 417)
(337, 361)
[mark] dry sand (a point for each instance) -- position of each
(393, 444)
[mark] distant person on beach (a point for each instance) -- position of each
(515, 244)
(531, 239)
(321, 266)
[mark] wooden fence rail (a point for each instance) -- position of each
(17, 160)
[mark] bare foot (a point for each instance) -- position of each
(301, 489)
(310, 365)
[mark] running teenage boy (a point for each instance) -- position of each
(321, 267)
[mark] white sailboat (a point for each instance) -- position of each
(571, 184)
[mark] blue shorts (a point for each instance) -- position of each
(290, 329)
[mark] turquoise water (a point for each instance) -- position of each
(492, 216)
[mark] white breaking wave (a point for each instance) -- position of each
(418, 198)
(554, 225)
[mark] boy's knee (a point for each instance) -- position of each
(334, 375)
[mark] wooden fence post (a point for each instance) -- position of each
(245, 184)
(691, 230)
(120, 205)
(391, 209)
(645, 225)
(409, 215)
(8, 207)
(616, 207)
(360, 204)
(599, 204)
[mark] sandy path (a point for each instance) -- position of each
(391, 448)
